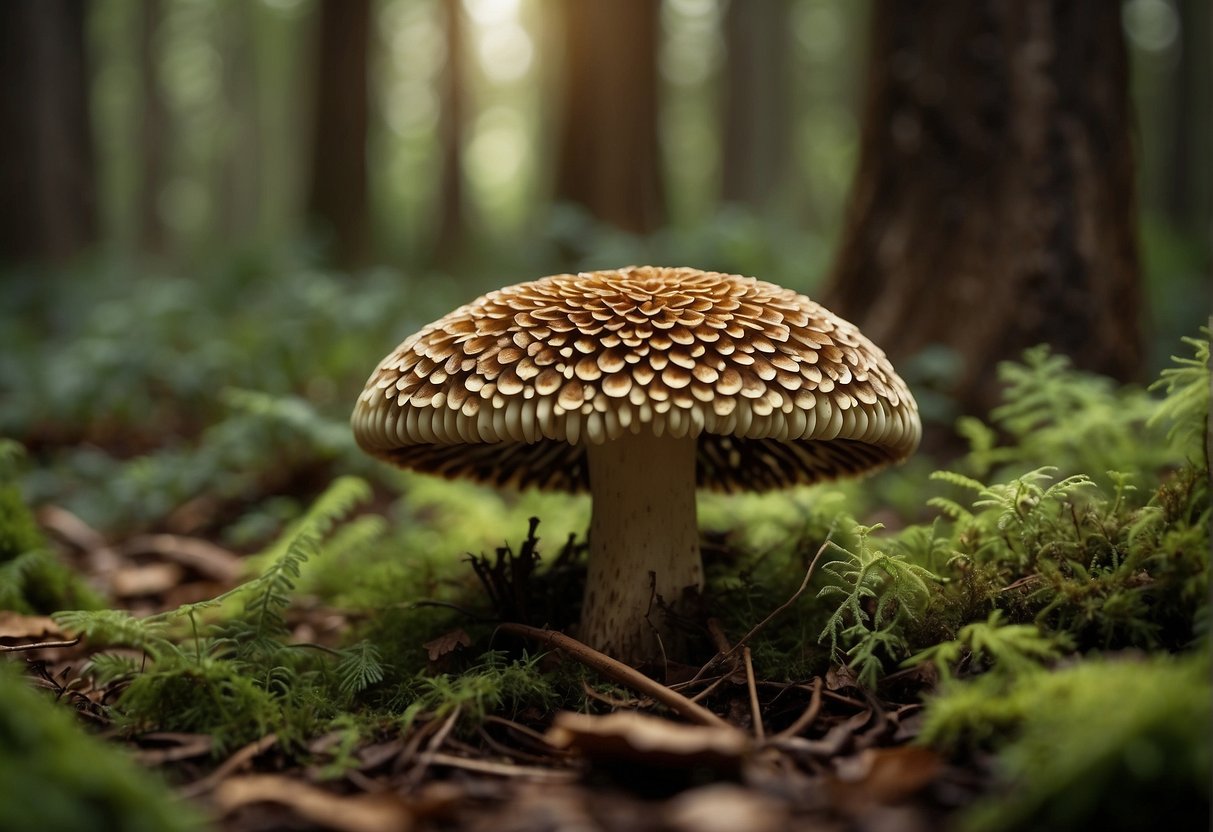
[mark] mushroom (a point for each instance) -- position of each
(639, 384)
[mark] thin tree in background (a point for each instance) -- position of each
(994, 204)
(451, 228)
(152, 132)
(48, 207)
(757, 126)
(338, 202)
(609, 159)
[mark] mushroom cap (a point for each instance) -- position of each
(507, 389)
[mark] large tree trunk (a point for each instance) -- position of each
(994, 205)
(338, 202)
(756, 125)
(609, 157)
(47, 182)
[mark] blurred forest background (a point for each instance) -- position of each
(962, 179)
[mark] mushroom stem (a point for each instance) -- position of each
(644, 543)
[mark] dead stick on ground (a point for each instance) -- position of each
(618, 672)
(13, 648)
(716, 660)
(432, 749)
(228, 766)
(808, 717)
(760, 733)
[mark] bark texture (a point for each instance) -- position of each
(994, 205)
(608, 153)
(48, 205)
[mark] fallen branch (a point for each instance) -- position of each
(618, 672)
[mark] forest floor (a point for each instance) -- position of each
(823, 753)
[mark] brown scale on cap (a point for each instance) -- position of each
(776, 389)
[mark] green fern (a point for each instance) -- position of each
(1185, 407)
(1011, 648)
(359, 667)
(879, 590)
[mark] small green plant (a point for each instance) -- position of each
(1007, 648)
(880, 591)
(55, 776)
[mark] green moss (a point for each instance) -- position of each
(56, 778)
(32, 580)
(1110, 744)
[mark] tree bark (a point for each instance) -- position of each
(609, 159)
(153, 133)
(338, 201)
(994, 205)
(756, 125)
(48, 210)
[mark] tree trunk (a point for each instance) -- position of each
(450, 128)
(994, 205)
(48, 205)
(338, 202)
(756, 125)
(153, 130)
(608, 155)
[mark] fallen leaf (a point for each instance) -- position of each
(14, 625)
(725, 807)
(382, 812)
(882, 776)
(627, 736)
(841, 678)
(150, 579)
(447, 643)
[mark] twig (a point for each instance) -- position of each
(716, 660)
(760, 733)
(13, 648)
(228, 766)
(706, 692)
(431, 749)
(808, 717)
(619, 672)
(530, 733)
(504, 769)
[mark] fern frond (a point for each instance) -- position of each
(360, 667)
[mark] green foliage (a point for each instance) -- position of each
(1103, 744)
(494, 684)
(237, 676)
(1007, 648)
(879, 591)
(53, 776)
(32, 580)
(1185, 410)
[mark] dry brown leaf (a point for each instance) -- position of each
(627, 736)
(151, 579)
(725, 807)
(382, 812)
(14, 625)
(882, 776)
(447, 643)
(202, 556)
